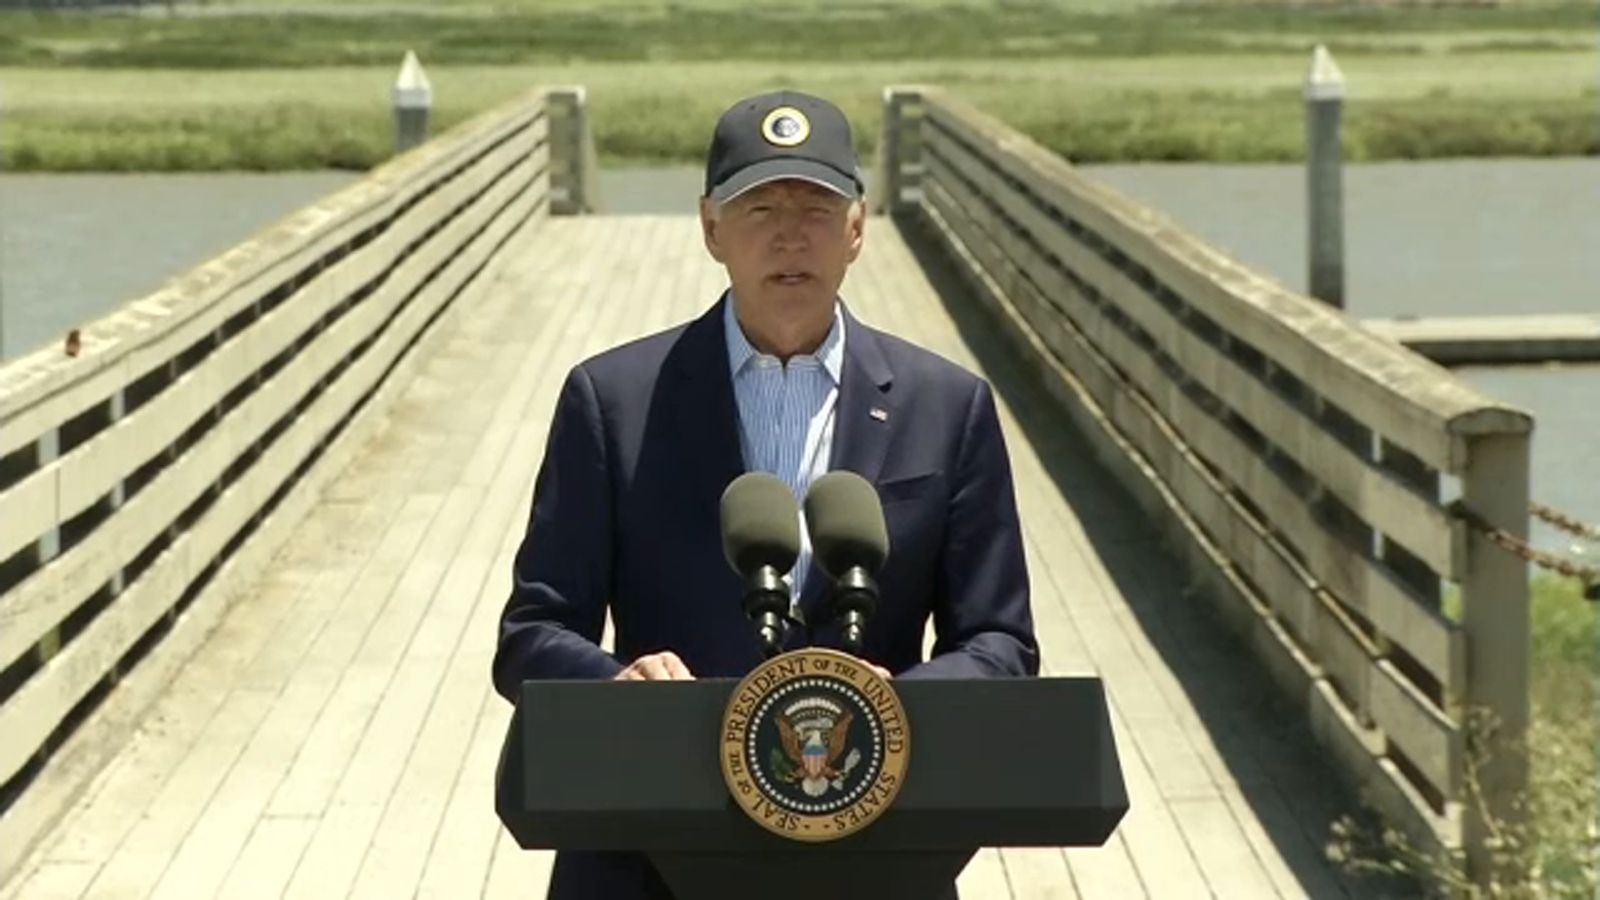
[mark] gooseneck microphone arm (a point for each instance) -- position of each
(766, 604)
(855, 599)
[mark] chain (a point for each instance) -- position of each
(1565, 522)
(1588, 575)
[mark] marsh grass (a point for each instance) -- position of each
(1214, 81)
(1202, 108)
(1557, 850)
(542, 33)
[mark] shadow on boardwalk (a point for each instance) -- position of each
(1263, 738)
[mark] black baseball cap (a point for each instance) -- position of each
(783, 134)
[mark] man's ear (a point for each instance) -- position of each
(708, 228)
(856, 225)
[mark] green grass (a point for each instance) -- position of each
(711, 29)
(1563, 738)
(1091, 80)
(1088, 109)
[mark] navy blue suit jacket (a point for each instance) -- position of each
(645, 438)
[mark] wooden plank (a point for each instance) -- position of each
(360, 798)
(1413, 402)
(515, 873)
(91, 470)
(33, 711)
(1225, 856)
(1359, 751)
(1130, 829)
(55, 881)
(460, 855)
(263, 866)
(203, 861)
(1387, 502)
(126, 787)
(1425, 633)
(89, 747)
(43, 390)
(1427, 736)
(984, 877)
(28, 509)
(1038, 872)
(137, 864)
(41, 601)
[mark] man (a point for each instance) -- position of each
(777, 376)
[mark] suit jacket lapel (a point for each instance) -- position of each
(705, 405)
(864, 421)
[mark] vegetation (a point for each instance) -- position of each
(1557, 850)
(1213, 81)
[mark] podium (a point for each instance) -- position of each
(602, 765)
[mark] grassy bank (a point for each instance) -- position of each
(1228, 108)
(1212, 81)
(1558, 847)
(710, 29)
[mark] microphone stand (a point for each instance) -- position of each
(766, 603)
(855, 599)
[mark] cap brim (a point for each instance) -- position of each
(781, 169)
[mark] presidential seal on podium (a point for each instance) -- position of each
(814, 745)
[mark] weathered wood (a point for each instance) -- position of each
(1427, 736)
(53, 592)
(1268, 639)
(1368, 432)
(30, 714)
(1425, 633)
(1495, 614)
(1348, 657)
(85, 752)
(1410, 401)
(40, 391)
(1391, 505)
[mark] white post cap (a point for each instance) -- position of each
(411, 87)
(1325, 81)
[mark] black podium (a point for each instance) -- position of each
(634, 766)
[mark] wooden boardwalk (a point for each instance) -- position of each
(337, 735)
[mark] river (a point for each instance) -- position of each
(1473, 237)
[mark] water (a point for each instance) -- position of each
(75, 247)
(1440, 238)
(1467, 237)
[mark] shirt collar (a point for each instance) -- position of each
(740, 351)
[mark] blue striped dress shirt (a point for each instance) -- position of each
(786, 414)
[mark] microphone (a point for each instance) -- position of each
(761, 540)
(850, 541)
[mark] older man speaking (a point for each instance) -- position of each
(777, 376)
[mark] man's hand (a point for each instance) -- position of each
(663, 666)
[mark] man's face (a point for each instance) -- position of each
(786, 244)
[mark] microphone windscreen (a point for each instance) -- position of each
(845, 520)
(760, 524)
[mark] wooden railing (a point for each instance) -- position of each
(148, 478)
(1294, 458)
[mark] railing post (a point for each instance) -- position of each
(572, 153)
(413, 98)
(898, 148)
(1495, 617)
(1324, 185)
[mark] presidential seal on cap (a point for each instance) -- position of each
(784, 134)
(814, 745)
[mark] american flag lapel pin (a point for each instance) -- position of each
(879, 413)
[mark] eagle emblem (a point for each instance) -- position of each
(814, 745)
(814, 735)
